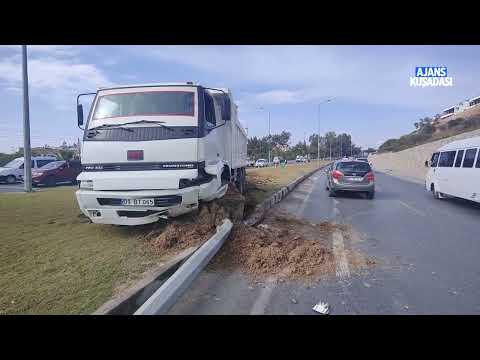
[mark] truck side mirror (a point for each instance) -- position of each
(80, 114)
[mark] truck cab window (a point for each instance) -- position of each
(209, 112)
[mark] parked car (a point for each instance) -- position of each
(350, 175)
(57, 172)
(276, 161)
(250, 162)
(13, 171)
(261, 163)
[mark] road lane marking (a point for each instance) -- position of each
(301, 209)
(411, 208)
(263, 299)
(341, 263)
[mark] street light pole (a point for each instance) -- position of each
(27, 164)
(318, 137)
(269, 141)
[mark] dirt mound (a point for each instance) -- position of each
(187, 231)
(283, 247)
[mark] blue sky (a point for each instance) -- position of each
(369, 85)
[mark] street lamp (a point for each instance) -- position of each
(269, 147)
(318, 137)
(27, 163)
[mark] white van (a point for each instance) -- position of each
(454, 170)
(13, 171)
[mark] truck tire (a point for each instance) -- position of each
(11, 179)
(241, 182)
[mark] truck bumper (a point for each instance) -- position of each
(104, 207)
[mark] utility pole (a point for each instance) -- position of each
(27, 164)
(318, 138)
(269, 141)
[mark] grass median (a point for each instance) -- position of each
(55, 262)
(263, 182)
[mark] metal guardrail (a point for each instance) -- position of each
(166, 296)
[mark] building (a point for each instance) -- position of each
(461, 106)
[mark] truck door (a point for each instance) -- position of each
(214, 146)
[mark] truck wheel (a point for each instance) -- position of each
(50, 181)
(241, 182)
(11, 179)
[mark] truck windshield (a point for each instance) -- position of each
(145, 104)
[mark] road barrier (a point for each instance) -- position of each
(166, 296)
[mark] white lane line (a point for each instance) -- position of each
(411, 208)
(301, 209)
(263, 299)
(342, 270)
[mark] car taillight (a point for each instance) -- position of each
(370, 176)
(337, 174)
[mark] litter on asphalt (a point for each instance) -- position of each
(321, 308)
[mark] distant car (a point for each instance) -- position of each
(301, 159)
(261, 163)
(350, 175)
(276, 161)
(57, 172)
(250, 162)
(13, 171)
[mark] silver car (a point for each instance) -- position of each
(350, 175)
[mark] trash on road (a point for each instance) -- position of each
(294, 301)
(321, 308)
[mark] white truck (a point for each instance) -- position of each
(157, 150)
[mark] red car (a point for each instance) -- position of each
(57, 172)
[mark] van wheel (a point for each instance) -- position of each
(241, 183)
(11, 179)
(436, 194)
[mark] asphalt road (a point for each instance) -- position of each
(427, 252)
(18, 187)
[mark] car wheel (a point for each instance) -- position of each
(11, 179)
(332, 193)
(50, 181)
(370, 194)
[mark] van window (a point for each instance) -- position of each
(33, 165)
(434, 161)
(446, 159)
(458, 160)
(477, 165)
(469, 158)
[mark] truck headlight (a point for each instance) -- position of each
(86, 184)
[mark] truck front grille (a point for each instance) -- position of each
(160, 201)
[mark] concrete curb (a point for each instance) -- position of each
(168, 294)
(131, 299)
(261, 209)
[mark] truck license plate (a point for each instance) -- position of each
(137, 202)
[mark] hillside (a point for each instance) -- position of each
(462, 122)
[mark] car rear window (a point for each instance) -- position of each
(353, 166)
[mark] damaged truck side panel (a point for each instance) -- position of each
(158, 150)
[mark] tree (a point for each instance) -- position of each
(66, 154)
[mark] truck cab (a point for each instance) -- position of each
(157, 150)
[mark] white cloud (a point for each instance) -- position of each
(53, 79)
(377, 75)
